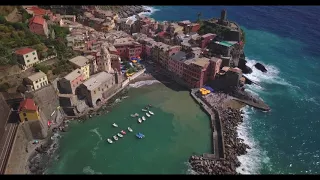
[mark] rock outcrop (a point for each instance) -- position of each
(260, 67)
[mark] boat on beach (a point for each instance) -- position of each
(120, 135)
(135, 115)
(115, 125)
(123, 132)
(109, 141)
(139, 120)
(147, 114)
(150, 112)
(129, 129)
(144, 110)
(143, 118)
(115, 138)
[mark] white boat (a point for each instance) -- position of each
(120, 135)
(110, 141)
(129, 129)
(115, 138)
(143, 118)
(144, 110)
(139, 120)
(134, 115)
(115, 125)
(148, 115)
(151, 112)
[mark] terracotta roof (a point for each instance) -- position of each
(37, 20)
(24, 51)
(38, 11)
(28, 104)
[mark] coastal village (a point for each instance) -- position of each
(101, 53)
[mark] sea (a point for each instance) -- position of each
(286, 39)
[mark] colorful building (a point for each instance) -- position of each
(82, 63)
(39, 26)
(71, 81)
(28, 111)
(176, 63)
(128, 48)
(27, 57)
(206, 39)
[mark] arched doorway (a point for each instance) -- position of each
(98, 102)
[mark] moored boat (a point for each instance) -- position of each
(150, 112)
(143, 118)
(115, 125)
(140, 135)
(110, 141)
(134, 115)
(144, 110)
(123, 132)
(139, 120)
(120, 135)
(147, 114)
(129, 129)
(115, 138)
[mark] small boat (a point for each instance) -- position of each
(143, 118)
(115, 125)
(123, 132)
(120, 135)
(149, 105)
(144, 110)
(115, 138)
(139, 120)
(139, 135)
(147, 114)
(110, 141)
(129, 129)
(151, 112)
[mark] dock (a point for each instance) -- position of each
(217, 132)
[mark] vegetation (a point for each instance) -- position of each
(25, 15)
(243, 36)
(5, 10)
(42, 67)
(208, 28)
(60, 32)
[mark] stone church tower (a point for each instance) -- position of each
(105, 60)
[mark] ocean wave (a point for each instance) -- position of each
(252, 162)
(152, 10)
(270, 77)
(89, 170)
(143, 83)
(189, 169)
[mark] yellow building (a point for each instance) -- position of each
(36, 81)
(82, 63)
(28, 111)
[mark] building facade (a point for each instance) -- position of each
(70, 82)
(27, 57)
(36, 81)
(39, 26)
(28, 111)
(82, 63)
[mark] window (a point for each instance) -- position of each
(28, 60)
(36, 81)
(37, 86)
(94, 92)
(99, 89)
(24, 114)
(34, 58)
(26, 56)
(26, 119)
(33, 53)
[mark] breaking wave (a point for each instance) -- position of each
(89, 170)
(152, 10)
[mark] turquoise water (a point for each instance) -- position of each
(286, 39)
(177, 130)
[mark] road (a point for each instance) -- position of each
(6, 145)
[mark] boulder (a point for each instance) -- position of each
(260, 67)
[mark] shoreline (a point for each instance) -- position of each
(233, 146)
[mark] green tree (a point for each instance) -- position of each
(46, 17)
(40, 67)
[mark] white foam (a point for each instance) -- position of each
(95, 130)
(152, 10)
(189, 169)
(143, 83)
(89, 170)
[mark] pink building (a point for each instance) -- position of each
(128, 48)
(206, 39)
(215, 65)
(39, 26)
(176, 63)
(71, 81)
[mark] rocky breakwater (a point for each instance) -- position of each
(234, 146)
